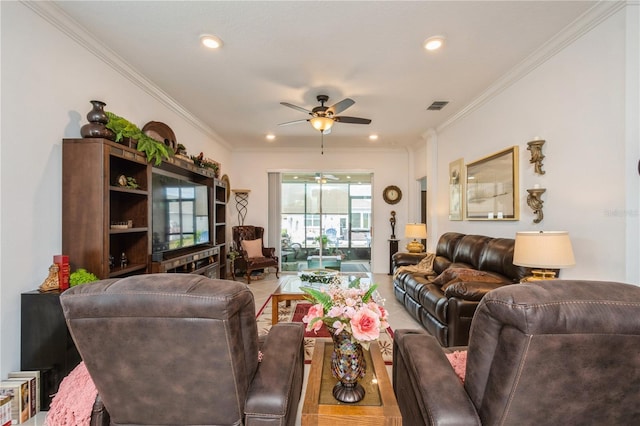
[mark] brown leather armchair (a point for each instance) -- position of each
(182, 349)
(547, 353)
(246, 262)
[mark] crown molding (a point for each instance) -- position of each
(53, 14)
(580, 26)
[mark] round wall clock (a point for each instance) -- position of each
(392, 194)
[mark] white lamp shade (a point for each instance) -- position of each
(417, 231)
(547, 250)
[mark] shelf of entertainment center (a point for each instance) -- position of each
(127, 270)
(204, 261)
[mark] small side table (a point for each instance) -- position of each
(393, 249)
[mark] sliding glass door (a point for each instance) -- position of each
(326, 214)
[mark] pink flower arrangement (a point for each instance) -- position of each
(349, 308)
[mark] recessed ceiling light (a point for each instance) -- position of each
(211, 41)
(373, 137)
(270, 136)
(434, 43)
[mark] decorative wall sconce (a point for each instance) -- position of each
(242, 200)
(534, 201)
(535, 146)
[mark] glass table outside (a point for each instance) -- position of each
(289, 289)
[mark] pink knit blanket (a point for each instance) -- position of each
(458, 360)
(73, 403)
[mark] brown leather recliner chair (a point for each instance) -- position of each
(547, 353)
(181, 349)
(246, 262)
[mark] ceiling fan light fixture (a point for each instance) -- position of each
(211, 41)
(434, 43)
(321, 123)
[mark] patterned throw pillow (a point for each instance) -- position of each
(451, 276)
(252, 247)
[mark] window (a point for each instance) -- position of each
(332, 208)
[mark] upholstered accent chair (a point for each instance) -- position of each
(253, 254)
(543, 353)
(180, 349)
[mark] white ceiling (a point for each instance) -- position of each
(291, 51)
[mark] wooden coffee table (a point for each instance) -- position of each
(379, 407)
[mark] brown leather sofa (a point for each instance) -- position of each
(447, 313)
(545, 353)
(182, 349)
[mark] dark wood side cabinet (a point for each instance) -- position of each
(393, 249)
(45, 342)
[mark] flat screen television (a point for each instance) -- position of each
(179, 213)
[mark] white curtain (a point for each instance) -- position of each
(274, 213)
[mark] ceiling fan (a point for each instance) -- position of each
(323, 117)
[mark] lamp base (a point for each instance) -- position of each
(415, 246)
(539, 275)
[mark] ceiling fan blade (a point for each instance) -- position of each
(340, 106)
(352, 120)
(287, 104)
(292, 122)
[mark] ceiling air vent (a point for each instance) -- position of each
(437, 105)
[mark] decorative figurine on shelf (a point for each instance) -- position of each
(51, 283)
(123, 260)
(112, 262)
(392, 221)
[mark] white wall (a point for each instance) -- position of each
(390, 167)
(576, 102)
(47, 82)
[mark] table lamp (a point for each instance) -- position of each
(543, 250)
(416, 231)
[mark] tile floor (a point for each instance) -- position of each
(398, 318)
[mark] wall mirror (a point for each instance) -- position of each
(492, 187)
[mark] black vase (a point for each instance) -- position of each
(97, 119)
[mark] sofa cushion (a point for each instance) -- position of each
(470, 249)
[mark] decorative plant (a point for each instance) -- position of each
(81, 276)
(122, 127)
(154, 150)
(200, 161)
(346, 308)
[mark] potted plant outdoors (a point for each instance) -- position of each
(154, 150)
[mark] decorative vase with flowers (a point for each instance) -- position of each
(354, 320)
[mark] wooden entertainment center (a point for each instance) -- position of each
(107, 221)
(104, 216)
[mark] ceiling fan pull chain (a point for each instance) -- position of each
(321, 143)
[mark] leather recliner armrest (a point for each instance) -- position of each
(274, 393)
(473, 291)
(406, 259)
(439, 392)
(99, 414)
